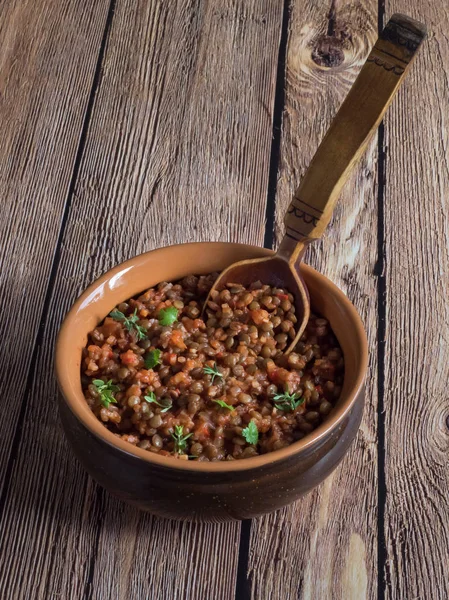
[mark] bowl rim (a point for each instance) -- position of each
(74, 400)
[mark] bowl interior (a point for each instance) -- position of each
(169, 264)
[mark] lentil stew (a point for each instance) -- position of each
(163, 378)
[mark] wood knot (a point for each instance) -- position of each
(447, 421)
(328, 52)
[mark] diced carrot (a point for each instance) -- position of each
(202, 432)
(94, 351)
(129, 358)
(172, 358)
(190, 364)
(259, 316)
(177, 339)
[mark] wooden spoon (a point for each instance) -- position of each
(355, 123)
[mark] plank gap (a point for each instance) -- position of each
(243, 584)
(55, 263)
(279, 105)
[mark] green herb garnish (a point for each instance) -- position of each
(167, 316)
(223, 404)
(251, 433)
(287, 401)
(106, 389)
(213, 371)
(151, 399)
(129, 322)
(180, 439)
(153, 358)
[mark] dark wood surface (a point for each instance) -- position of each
(131, 125)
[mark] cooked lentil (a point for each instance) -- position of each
(220, 388)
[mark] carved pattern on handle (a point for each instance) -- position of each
(388, 66)
(396, 36)
(303, 216)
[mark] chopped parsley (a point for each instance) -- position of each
(180, 439)
(251, 433)
(288, 402)
(223, 404)
(153, 358)
(213, 371)
(106, 391)
(129, 322)
(151, 399)
(167, 316)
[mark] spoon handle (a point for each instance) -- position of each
(358, 118)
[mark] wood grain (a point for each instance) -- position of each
(417, 316)
(43, 100)
(143, 557)
(325, 546)
(177, 150)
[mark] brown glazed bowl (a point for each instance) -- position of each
(201, 491)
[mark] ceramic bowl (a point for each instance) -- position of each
(196, 490)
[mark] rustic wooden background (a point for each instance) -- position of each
(128, 125)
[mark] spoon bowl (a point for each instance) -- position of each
(275, 271)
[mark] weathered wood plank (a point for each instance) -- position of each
(417, 319)
(177, 150)
(143, 557)
(47, 65)
(325, 546)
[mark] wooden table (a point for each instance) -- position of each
(129, 125)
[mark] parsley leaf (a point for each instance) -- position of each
(213, 371)
(180, 439)
(251, 433)
(153, 358)
(129, 322)
(151, 399)
(117, 315)
(287, 401)
(223, 404)
(167, 316)
(105, 389)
